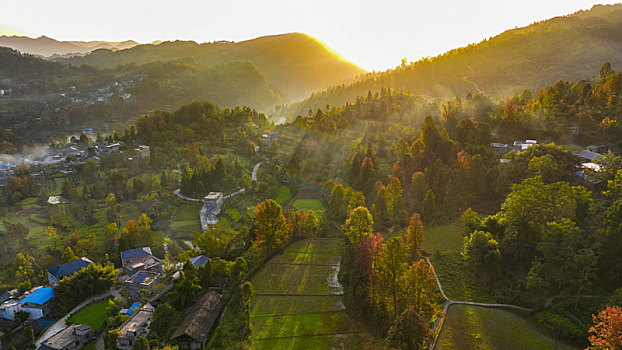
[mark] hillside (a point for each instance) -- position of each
(45, 46)
(25, 66)
(562, 48)
(295, 64)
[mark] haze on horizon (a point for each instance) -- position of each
(375, 36)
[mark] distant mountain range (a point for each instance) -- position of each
(295, 64)
(47, 47)
(571, 47)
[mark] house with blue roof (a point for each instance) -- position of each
(37, 303)
(199, 261)
(140, 259)
(141, 280)
(59, 272)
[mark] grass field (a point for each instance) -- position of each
(297, 304)
(472, 327)
(443, 238)
(92, 315)
(309, 204)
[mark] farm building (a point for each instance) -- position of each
(57, 273)
(73, 337)
(141, 280)
(135, 327)
(37, 304)
(140, 259)
(198, 322)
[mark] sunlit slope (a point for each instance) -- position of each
(568, 48)
(295, 64)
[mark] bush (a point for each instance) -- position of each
(560, 326)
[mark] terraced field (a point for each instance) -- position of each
(297, 304)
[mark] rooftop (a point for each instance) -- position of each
(213, 195)
(585, 154)
(65, 337)
(137, 320)
(40, 296)
(69, 268)
(201, 317)
(199, 261)
(143, 277)
(136, 253)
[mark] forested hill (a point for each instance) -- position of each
(24, 66)
(295, 64)
(571, 47)
(45, 46)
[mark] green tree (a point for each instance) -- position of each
(481, 252)
(414, 237)
(50, 231)
(392, 268)
(271, 226)
(68, 255)
(186, 286)
(429, 207)
(409, 331)
(164, 318)
(141, 344)
(248, 291)
(359, 225)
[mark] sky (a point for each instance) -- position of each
(375, 35)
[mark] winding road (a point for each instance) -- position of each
(448, 302)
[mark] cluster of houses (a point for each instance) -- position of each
(587, 156)
(101, 94)
(142, 271)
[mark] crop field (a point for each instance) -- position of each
(472, 327)
(297, 304)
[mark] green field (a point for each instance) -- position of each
(309, 204)
(472, 327)
(92, 315)
(297, 304)
(234, 214)
(443, 238)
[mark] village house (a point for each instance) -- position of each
(37, 303)
(269, 137)
(73, 337)
(141, 280)
(523, 145)
(212, 204)
(57, 273)
(9, 305)
(502, 148)
(135, 327)
(140, 259)
(198, 322)
(145, 151)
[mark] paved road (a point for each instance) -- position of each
(448, 302)
(254, 173)
(178, 194)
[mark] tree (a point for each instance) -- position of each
(606, 334)
(50, 231)
(566, 262)
(68, 255)
(24, 268)
(359, 225)
(481, 252)
(91, 280)
(336, 203)
(141, 344)
(248, 291)
(409, 331)
(186, 286)
(392, 267)
(271, 226)
(164, 318)
(414, 237)
(419, 286)
(429, 206)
